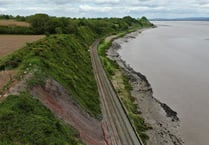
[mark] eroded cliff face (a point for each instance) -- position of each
(60, 102)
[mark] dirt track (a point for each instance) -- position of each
(119, 128)
(10, 43)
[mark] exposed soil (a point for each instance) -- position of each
(56, 98)
(10, 43)
(60, 102)
(160, 116)
(13, 23)
(16, 86)
(6, 76)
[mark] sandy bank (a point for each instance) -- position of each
(161, 117)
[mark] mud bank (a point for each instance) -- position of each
(161, 117)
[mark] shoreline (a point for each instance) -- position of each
(163, 120)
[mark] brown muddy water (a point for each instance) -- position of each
(175, 59)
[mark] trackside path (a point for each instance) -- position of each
(120, 131)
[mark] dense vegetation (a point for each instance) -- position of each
(44, 24)
(64, 56)
(24, 120)
(15, 30)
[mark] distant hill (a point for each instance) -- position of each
(182, 19)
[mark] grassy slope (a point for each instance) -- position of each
(24, 120)
(64, 58)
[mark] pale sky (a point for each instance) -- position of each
(108, 8)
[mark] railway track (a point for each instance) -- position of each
(120, 131)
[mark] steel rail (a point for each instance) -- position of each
(120, 129)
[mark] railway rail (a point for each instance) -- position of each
(120, 130)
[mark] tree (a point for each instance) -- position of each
(145, 22)
(39, 23)
(129, 20)
(58, 30)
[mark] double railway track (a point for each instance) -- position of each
(115, 119)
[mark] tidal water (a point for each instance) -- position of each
(175, 59)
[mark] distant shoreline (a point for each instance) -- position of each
(182, 19)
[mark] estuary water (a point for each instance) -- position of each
(175, 59)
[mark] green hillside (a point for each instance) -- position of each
(24, 120)
(63, 56)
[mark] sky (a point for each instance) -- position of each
(108, 8)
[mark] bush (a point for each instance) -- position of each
(24, 120)
(15, 30)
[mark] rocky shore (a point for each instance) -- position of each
(163, 120)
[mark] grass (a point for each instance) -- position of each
(24, 120)
(64, 58)
(61, 57)
(123, 88)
